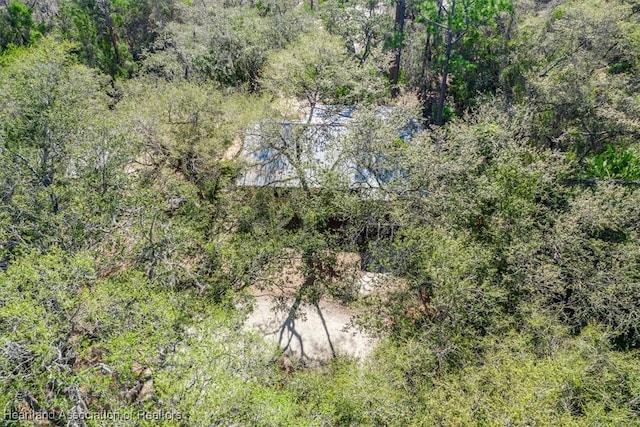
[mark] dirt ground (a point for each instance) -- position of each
(312, 332)
(308, 332)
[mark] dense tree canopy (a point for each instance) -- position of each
(494, 146)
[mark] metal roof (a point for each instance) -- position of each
(271, 150)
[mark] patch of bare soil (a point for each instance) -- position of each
(313, 330)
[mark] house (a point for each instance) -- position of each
(326, 146)
(337, 145)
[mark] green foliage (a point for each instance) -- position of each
(208, 381)
(485, 200)
(126, 242)
(113, 34)
(186, 127)
(579, 102)
(61, 150)
(615, 163)
(39, 307)
(316, 69)
(585, 383)
(455, 51)
(69, 337)
(597, 234)
(227, 44)
(361, 26)
(17, 27)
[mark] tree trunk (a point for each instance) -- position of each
(399, 34)
(443, 83)
(445, 72)
(113, 39)
(425, 85)
(428, 87)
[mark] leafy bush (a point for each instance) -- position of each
(615, 163)
(17, 26)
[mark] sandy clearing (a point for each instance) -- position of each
(308, 332)
(313, 333)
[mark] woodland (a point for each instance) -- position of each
(511, 215)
